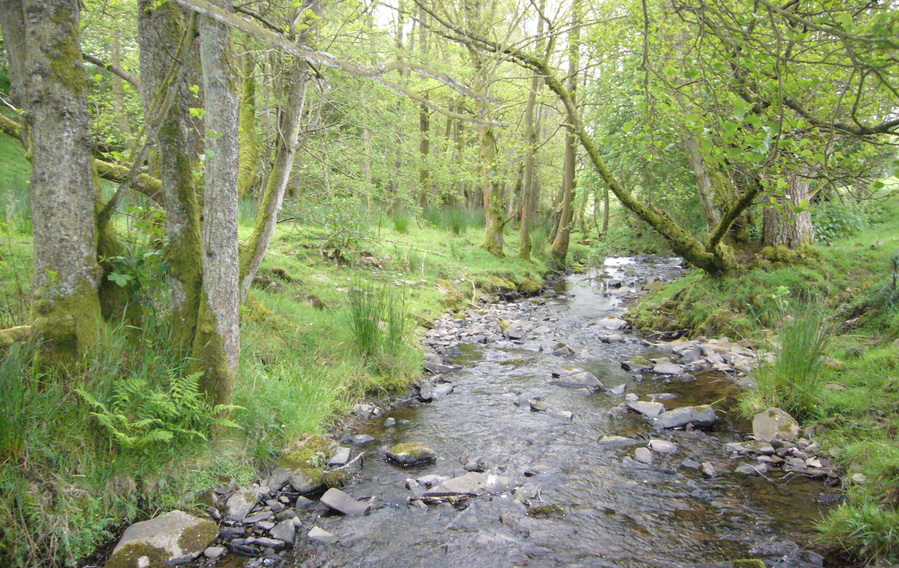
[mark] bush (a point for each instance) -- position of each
(401, 222)
(837, 220)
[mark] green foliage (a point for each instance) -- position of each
(16, 394)
(138, 416)
(867, 528)
(457, 220)
(15, 196)
(837, 220)
(401, 220)
(377, 318)
(792, 381)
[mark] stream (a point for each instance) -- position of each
(589, 503)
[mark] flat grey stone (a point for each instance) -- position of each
(442, 391)
(343, 503)
(662, 447)
(240, 504)
(708, 469)
(650, 409)
(643, 455)
(284, 531)
(617, 442)
(565, 415)
(611, 323)
(619, 389)
(322, 535)
(750, 447)
(340, 458)
(302, 482)
(578, 380)
(471, 483)
(699, 416)
(667, 369)
(269, 542)
(367, 411)
(277, 479)
(214, 552)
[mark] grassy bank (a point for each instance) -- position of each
(126, 434)
(832, 312)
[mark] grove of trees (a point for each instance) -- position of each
(708, 121)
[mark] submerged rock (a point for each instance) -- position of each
(343, 503)
(649, 409)
(411, 454)
(579, 379)
(471, 484)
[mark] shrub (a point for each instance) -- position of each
(836, 220)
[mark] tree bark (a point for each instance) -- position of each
(704, 183)
(159, 30)
(216, 346)
(782, 226)
(249, 139)
(530, 188)
(50, 82)
(291, 112)
(118, 89)
(559, 252)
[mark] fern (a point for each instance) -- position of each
(137, 416)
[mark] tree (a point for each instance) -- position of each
(49, 81)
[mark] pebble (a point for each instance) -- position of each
(322, 535)
(643, 455)
(214, 552)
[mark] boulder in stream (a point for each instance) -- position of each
(578, 379)
(341, 502)
(648, 409)
(699, 416)
(411, 454)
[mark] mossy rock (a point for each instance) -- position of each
(336, 477)
(138, 555)
(310, 454)
(640, 360)
(719, 323)
(779, 253)
(501, 284)
(411, 454)
(748, 563)
(452, 296)
(530, 286)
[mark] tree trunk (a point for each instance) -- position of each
(703, 183)
(52, 85)
(118, 89)
(292, 106)
(217, 344)
(530, 187)
(493, 206)
(782, 226)
(424, 122)
(249, 139)
(159, 30)
(559, 252)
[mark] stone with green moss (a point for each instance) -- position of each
(311, 453)
(411, 454)
(530, 286)
(167, 540)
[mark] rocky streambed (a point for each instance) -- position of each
(545, 434)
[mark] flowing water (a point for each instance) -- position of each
(596, 509)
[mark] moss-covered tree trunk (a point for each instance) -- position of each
(160, 29)
(559, 251)
(291, 112)
(216, 347)
(51, 83)
(530, 186)
(249, 139)
(493, 206)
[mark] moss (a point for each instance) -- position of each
(336, 477)
(748, 563)
(530, 286)
(308, 455)
(411, 453)
(197, 537)
(501, 284)
(65, 54)
(640, 360)
(138, 555)
(546, 511)
(67, 321)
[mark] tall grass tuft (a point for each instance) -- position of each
(401, 221)
(378, 320)
(366, 306)
(792, 381)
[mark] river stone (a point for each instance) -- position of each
(411, 454)
(303, 482)
(214, 552)
(343, 503)
(662, 447)
(619, 389)
(442, 391)
(774, 425)
(563, 351)
(285, 531)
(649, 409)
(471, 483)
(616, 442)
(168, 540)
(538, 406)
(708, 469)
(579, 380)
(340, 458)
(240, 504)
(750, 447)
(631, 397)
(611, 323)
(390, 422)
(643, 455)
(565, 415)
(367, 411)
(699, 416)
(667, 369)
(322, 535)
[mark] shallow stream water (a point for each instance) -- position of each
(602, 511)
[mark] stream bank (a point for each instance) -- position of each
(545, 466)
